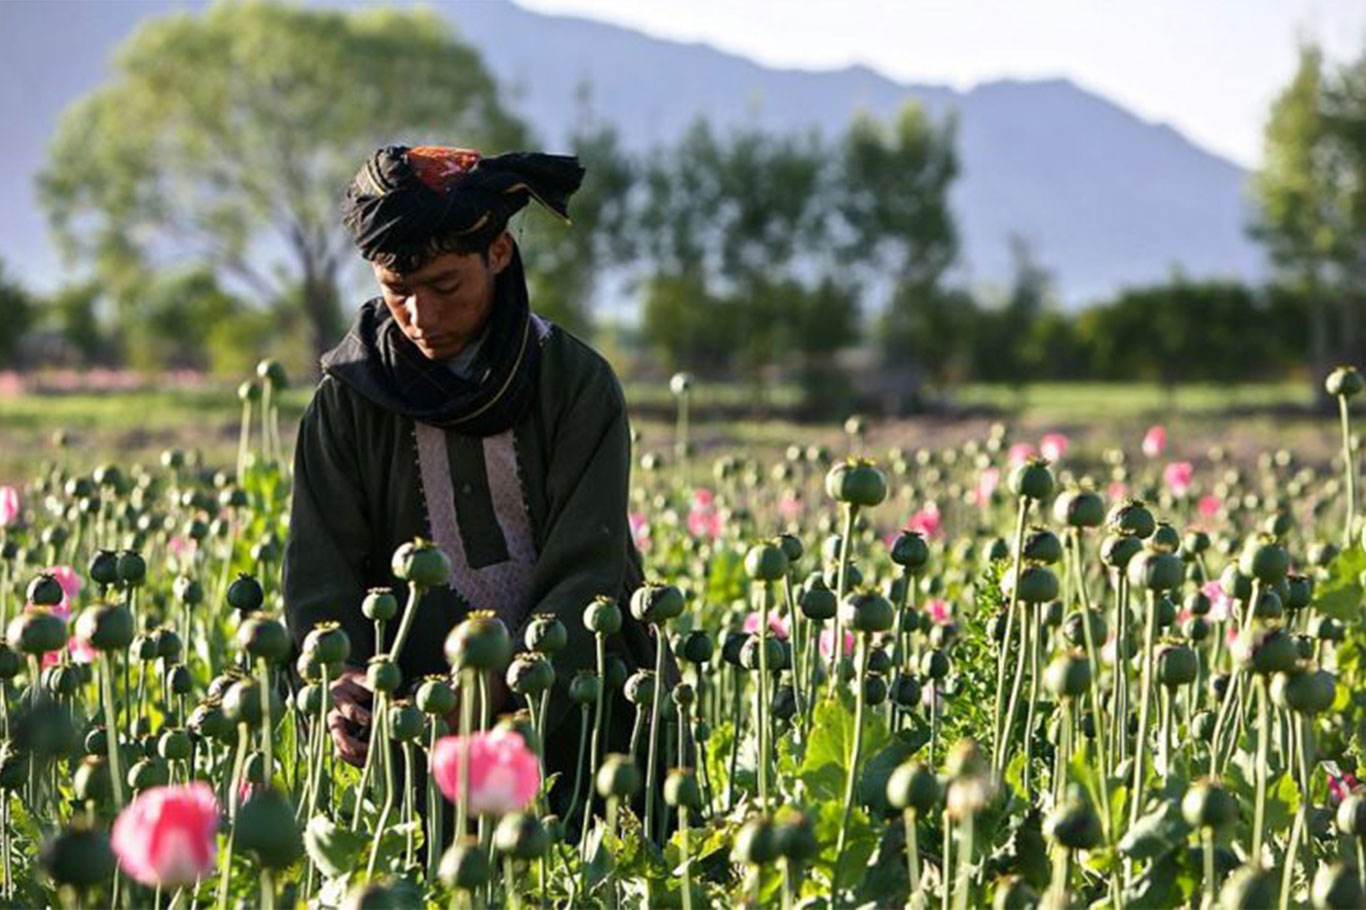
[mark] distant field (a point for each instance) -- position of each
(139, 425)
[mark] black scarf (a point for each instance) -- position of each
(378, 361)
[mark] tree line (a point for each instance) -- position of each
(198, 186)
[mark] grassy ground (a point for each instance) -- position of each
(137, 426)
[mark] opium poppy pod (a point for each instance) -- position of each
(1067, 676)
(1031, 479)
(328, 643)
(465, 866)
(817, 601)
(422, 563)
(245, 594)
(104, 568)
(1035, 584)
(546, 634)
(406, 721)
(910, 551)
(1132, 518)
(530, 674)
(696, 647)
(1337, 885)
(521, 836)
(680, 789)
(1154, 570)
(265, 829)
(1079, 509)
(132, 568)
(914, 785)
(755, 844)
(36, 631)
(856, 482)
(1118, 549)
(77, 857)
(656, 604)
(379, 604)
(868, 612)
(1264, 651)
(106, 627)
(45, 591)
(617, 777)
(1265, 560)
(480, 642)
(585, 688)
(603, 616)
(1234, 583)
(1074, 824)
(792, 547)
(265, 639)
(1308, 692)
(436, 696)
(1299, 592)
(1042, 546)
(1165, 538)
(766, 562)
(1177, 665)
(1344, 382)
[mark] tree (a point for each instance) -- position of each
(16, 313)
(228, 138)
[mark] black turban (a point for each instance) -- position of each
(403, 197)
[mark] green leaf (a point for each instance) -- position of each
(1155, 833)
(1340, 595)
(332, 848)
(825, 767)
(872, 785)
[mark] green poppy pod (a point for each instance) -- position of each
(1249, 888)
(45, 591)
(1036, 585)
(914, 785)
(1344, 382)
(328, 642)
(1208, 805)
(383, 674)
(148, 773)
(1074, 628)
(263, 638)
(168, 644)
(106, 627)
(683, 695)
(867, 612)
(774, 653)
(966, 760)
(1196, 629)
(1074, 825)
(766, 562)
(1079, 509)
(36, 631)
(1042, 546)
(406, 722)
(910, 551)
(680, 789)
(479, 642)
(1267, 607)
(1321, 554)
(210, 722)
(1177, 665)
(465, 866)
(436, 696)
(795, 835)
(245, 595)
(521, 836)
(640, 687)
(874, 691)
(1235, 584)
(817, 602)
(1326, 628)
(792, 547)
(91, 782)
(1117, 550)
(242, 703)
(421, 563)
(78, 857)
(1156, 571)
(1307, 692)
(997, 550)
(310, 699)
(132, 568)
(530, 674)
(1014, 893)
(104, 568)
(1067, 676)
(935, 665)
(1299, 592)
(188, 590)
(906, 691)
(265, 829)
(546, 634)
(755, 844)
(1195, 543)
(584, 688)
(1131, 518)
(1164, 538)
(1337, 887)
(1031, 479)
(696, 647)
(603, 616)
(1264, 560)
(617, 777)
(272, 373)
(1264, 651)
(1203, 724)
(61, 680)
(856, 483)
(656, 604)
(379, 604)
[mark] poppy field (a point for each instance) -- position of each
(1005, 673)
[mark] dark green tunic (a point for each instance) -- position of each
(358, 495)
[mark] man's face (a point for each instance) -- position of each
(444, 305)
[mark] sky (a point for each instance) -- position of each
(1210, 68)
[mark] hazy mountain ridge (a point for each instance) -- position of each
(1106, 198)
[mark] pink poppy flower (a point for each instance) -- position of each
(1019, 453)
(167, 836)
(826, 644)
(927, 521)
(1209, 506)
(182, 548)
(1219, 602)
(1053, 446)
(504, 774)
(1178, 475)
(938, 611)
(987, 482)
(704, 522)
(1155, 441)
(1341, 786)
(9, 505)
(1117, 491)
(71, 584)
(640, 530)
(703, 498)
(790, 508)
(776, 624)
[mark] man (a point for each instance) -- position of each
(454, 413)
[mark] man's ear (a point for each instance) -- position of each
(500, 252)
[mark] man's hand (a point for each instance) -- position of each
(349, 719)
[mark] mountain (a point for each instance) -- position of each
(1105, 198)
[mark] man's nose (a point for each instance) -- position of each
(422, 315)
